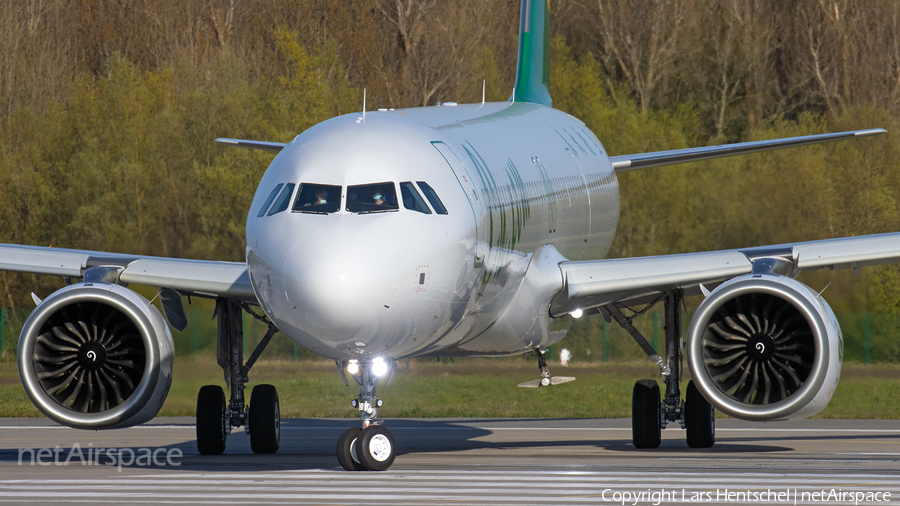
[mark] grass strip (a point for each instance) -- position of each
(468, 388)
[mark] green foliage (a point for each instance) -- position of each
(128, 164)
(473, 388)
(315, 88)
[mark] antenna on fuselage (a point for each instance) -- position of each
(364, 102)
(483, 81)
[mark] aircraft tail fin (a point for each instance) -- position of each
(533, 68)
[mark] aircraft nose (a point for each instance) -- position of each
(336, 294)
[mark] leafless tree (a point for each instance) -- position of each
(640, 40)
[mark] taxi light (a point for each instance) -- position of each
(353, 367)
(379, 367)
(577, 313)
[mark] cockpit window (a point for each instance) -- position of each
(317, 199)
(283, 200)
(411, 198)
(268, 202)
(371, 198)
(432, 197)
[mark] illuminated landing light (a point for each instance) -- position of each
(379, 367)
(353, 367)
(577, 313)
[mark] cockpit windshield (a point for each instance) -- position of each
(411, 198)
(372, 198)
(432, 197)
(317, 199)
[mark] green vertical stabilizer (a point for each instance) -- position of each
(533, 70)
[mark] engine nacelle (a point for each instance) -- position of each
(765, 347)
(96, 356)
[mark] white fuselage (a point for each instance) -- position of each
(512, 176)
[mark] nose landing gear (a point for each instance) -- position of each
(369, 449)
(372, 447)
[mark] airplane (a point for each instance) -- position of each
(455, 230)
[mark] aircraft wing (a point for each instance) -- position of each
(243, 143)
(197, 277)
(594, 283)
(623, 163)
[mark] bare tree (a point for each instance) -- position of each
(221, 20)
(437, 46)
(640, 41)
(36, 64)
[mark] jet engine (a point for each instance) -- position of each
(765, 347)
(96, 356)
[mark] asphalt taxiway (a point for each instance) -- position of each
(457, 461)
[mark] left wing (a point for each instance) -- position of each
(623, 163)
(198, 277)
(594, 283)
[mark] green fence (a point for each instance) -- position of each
(868, 337)
(200, 336)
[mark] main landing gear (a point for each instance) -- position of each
(649, 415)
(372, 447)
(215, 417)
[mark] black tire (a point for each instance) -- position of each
(265, 419)
(345, 447)
(645, 429)
(699, 419)
(376, 448)
(211, 429)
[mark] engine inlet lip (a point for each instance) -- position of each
(770, 285)
(102, 293)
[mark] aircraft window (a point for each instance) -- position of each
(432, 197)
(411, 198)
(283, 200)
(265, 206)
(372, 198)
(317, 199)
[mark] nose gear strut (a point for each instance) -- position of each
(371, 448)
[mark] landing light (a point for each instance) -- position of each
(379, 366)
(577, 313)
(353, 367)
